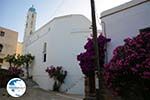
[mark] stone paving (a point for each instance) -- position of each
(39, 94)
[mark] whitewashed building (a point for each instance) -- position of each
(57, 43)
(125, 21)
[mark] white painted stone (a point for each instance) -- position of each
(125, 23)
(65, 37)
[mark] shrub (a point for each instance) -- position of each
(128, 72)
(18, 61)
(15, 71)
(58, 74)
(6, 75)
(87, 58)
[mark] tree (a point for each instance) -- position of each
(19, 60)
(88, 65)
(27, 59)
(15, 63)
(14, 60)
(10, 59)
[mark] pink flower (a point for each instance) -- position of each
(146, 73)
(134, 69)
(130, 64)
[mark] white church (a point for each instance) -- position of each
(57, 43)
(60, 40)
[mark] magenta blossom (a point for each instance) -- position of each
(129, 67)
(87, 58)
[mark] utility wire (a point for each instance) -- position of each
(54, 12)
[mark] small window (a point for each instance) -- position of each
(2, 33)
(1, 47)
(44, 59)
(44, 51)
(1, 60)
(32, 15)
(30, 32)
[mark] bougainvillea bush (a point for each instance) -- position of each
(87, 58)
(128, 72)
(7, 74)
(58, 74)
(16, 71)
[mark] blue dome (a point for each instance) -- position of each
(32, 9)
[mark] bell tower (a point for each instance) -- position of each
(29, 26)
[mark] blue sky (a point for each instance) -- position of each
(13, 12)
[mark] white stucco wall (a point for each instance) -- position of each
(125, 23)
(65, 37)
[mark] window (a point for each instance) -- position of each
(2, 33)
(44, 52)
(44, 59)
(32, 15)
(1, 47)
(1, 60)
(30, 32)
